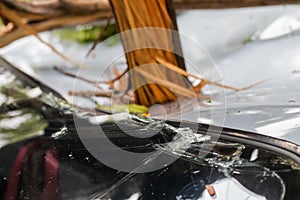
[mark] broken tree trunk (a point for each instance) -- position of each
(149, 31)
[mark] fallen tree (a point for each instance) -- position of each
(167, 69)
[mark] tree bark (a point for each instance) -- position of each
(143, 44)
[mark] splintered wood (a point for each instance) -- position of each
(143, 44)
(211, 190)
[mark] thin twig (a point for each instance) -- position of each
(87, 80)
(78, 77)
(118, 77)
(17, 20)
(74, 76)
(100, 38)
(203, 81)
(49, 23)
(6, 28)
(90, 94)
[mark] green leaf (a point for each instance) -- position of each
(88, 33)
(131, 108)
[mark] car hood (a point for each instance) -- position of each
(270, 108)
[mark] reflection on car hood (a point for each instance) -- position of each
(270, 108)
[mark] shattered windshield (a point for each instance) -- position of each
(192, 164)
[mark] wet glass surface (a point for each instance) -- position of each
(80, 175)
(52, 163)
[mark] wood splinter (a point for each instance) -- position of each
(210, 189)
